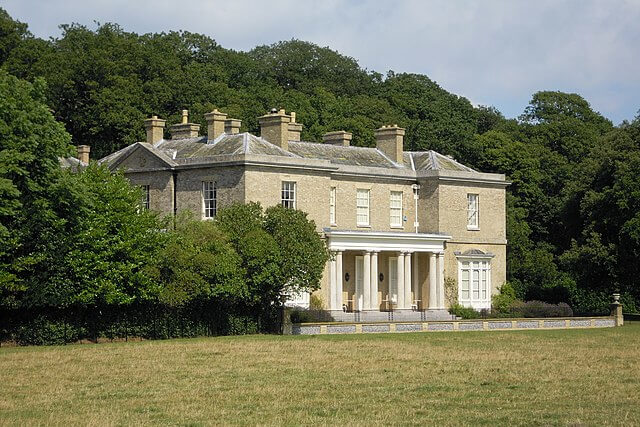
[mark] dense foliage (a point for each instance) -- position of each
(573, 214)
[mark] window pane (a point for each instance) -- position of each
(396, 208)
(289, 194)
(472, 210)
(362, 207)
(332, 205)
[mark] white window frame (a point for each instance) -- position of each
(145, 196)
(332, 206)
(363, 203)
(288, 194)
(395, 209)
(473, 211)
(474, 282)
(209, 199)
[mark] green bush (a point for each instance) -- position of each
(501, 303)
(464, 312)
(540, 309)
(43, 331)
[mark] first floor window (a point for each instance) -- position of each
(396, 208)
(289, 194)
(145, 197)
(332, 205)
(475, 280)
(209, 199)
(362, 207)
(472, 211)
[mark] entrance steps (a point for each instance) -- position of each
(390, 316)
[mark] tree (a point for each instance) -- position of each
(31, 143)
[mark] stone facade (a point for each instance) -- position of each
(398, 266)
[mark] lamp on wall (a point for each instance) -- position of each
(346, 276)
(381, 277)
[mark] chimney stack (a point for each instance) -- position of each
(295, 129)
(339, 137)
(155, 129)
(389, 140)
(274, 127)
(215, 124)
(83, 153)
(185, 129)
(232, 126)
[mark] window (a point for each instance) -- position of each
(362, 207)
(289, 194)
(396, 208)
(475, 280)
(209, 199)
(472, 211)
(145, 197)
(332, 206)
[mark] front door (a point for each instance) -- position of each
(393, 280)
(359, 297)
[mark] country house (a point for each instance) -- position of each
(399, 223)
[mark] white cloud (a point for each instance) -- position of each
(496, 52)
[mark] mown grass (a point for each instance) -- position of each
(589, 377)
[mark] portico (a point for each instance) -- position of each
(386, 271)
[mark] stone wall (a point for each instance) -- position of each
(456, 325)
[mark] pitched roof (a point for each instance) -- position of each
(200, 150)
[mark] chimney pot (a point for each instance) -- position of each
(155, 129)
(340, 138)
(215, 124)
(83, 153)
(184, 129)
(389, 140)
(274, 127)
(232, 126)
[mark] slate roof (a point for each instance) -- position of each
(71, 163)
(199, 150)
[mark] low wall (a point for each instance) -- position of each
(455, 325)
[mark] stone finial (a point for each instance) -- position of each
(390, 140)
(185, 116)
(83, 153)
(155, 129)
(215, 124)
(274, 127)
(616, 310)
(340, 137)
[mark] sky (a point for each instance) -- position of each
(493, 52)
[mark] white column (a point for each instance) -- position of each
(400, 280)
(339, 280)
(333, 295)
(433, 295)
(441, 281)
(415, 276)
(366, 281)
(407, 280)
(374, 281)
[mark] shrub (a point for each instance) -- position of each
(464, 312)
(43, 331)
(501, 303)
(315, 302)
(540, 309)
(451, 291)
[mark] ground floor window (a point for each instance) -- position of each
(474, 287)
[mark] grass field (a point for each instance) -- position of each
(589, 377)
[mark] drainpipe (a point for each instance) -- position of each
(175, 198)
(416, 189)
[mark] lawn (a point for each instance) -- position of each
(589, 377)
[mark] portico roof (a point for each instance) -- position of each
(342, 240)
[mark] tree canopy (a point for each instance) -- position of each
(572, 218)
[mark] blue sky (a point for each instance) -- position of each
(493, 52)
